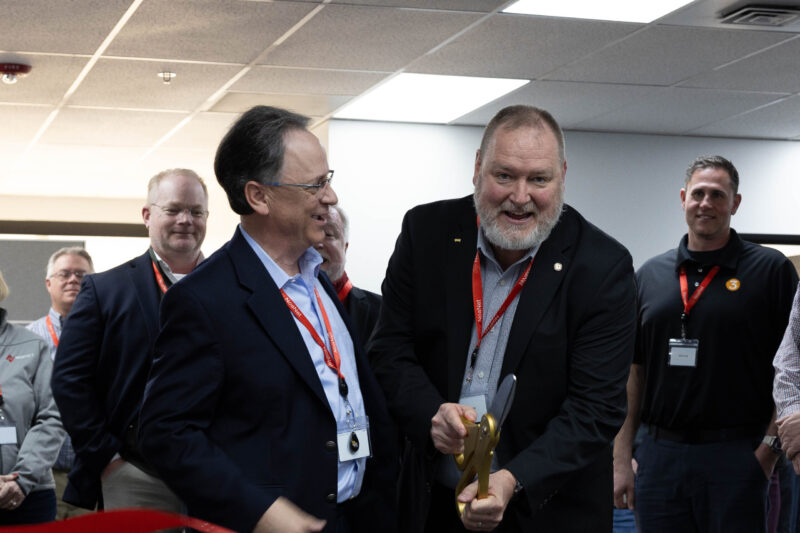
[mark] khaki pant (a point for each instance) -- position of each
(65, 510)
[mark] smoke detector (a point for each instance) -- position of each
(12, 71)
(760, 15)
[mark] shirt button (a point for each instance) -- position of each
(480, 374)
(502, 283)
(330, 445)
(331, 498)
(700, 269)
(696, 283)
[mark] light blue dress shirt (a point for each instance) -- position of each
(300, 288)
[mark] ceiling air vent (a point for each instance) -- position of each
(762, 16)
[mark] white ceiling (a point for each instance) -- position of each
(93, 118)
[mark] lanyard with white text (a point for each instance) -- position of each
(52, 331)
(333, 361)
(688, 303)
(477, 305)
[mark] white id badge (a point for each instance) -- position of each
(353, 442)
(8, 432)
(476, 402)
(683, 352)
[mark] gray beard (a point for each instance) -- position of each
(516, 241)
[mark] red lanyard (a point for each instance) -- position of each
(52, 331)
(159, 278)
(345, 290)
(334, 361)
(477, 303)
(688, 303)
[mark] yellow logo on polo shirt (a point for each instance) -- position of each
(733, 284)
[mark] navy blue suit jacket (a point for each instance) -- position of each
(234, 414)
(101, 367)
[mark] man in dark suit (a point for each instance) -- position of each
(106, 346)
(361, 305)
(261, 411)
(529, 288)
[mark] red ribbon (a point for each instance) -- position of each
(120, 521)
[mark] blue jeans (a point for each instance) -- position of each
(624, 521)
(39, 506)
(709, 488)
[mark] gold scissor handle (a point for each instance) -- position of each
(477, 456)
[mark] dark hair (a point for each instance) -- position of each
(713, 161)
(517, 116)
(252, 150)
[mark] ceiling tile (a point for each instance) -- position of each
(708, 13)
(309, 105)
(98, 127)
(136, 84)
(47, 82)
(205, 30)
(776, 121)
(774, 70)
(48, 26)
(367, 38)
(568, 102)
(203, 132)
(20, 123)
(519, 46)
(676, 111)
(483, 6)
(664, 55)
(306, 81)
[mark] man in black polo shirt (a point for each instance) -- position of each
(711, 316)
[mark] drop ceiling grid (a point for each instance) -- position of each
(73, 27)
(665, 55)
(676, 111)
(206, 30)
(307, 81)
(515, 46)
(100, 127)
(119, 83)
(48, 81)
(483, 6)
(367, 38)
(774, 70)
(777, 121)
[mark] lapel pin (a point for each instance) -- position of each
(457, 239)
(557, 267)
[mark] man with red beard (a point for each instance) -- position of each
(508, 281)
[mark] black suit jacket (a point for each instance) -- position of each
(363, 307)
(234, 414)
(570, 345)
(101, 367)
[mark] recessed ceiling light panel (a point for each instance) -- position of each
(427, 98)
(616, 10)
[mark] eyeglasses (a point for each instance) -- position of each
(313, 188)
(172, 211)
(64, 275)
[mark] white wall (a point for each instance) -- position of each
(628, 185)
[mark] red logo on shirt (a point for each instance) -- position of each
(10, 358)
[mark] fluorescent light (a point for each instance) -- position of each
(617, 10)
(427, 98)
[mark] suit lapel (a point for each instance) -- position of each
(271, 312)
(141, 273)
(550, 266)
(460, 247)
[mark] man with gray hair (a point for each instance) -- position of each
(107, 346)
(65, 271)
(509, 280)
(712, 313)
(361, 305)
